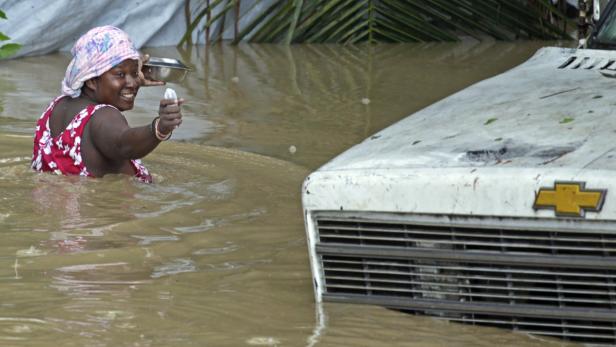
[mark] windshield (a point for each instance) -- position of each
(607, 31)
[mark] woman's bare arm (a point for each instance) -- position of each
(116, 140)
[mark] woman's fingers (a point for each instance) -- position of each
(170, 105)
(166, 102)
(168, 125)
(144, 73)
(170, 114)
(152, 83)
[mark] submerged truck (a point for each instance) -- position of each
(495, 205)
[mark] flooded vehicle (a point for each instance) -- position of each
(496, 205)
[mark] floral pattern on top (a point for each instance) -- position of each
(62, 154)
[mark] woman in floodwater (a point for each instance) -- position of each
(83, 131)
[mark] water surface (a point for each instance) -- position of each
(214, 253)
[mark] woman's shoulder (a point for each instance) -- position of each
(66, 108)
(105, 113)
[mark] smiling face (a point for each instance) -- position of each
(118, 86)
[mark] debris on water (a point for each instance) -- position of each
(292, 149)
(566, 120)
(235, 79)
(365, 101)
(30, 252)
(263, 341)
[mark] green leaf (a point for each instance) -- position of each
(490, 121)
(566, 120)
(2, 14)
(349, 21)
(9, 49)
(4, 37)
(347, 18)
(298, 10)
(264, 16)
(193, 25)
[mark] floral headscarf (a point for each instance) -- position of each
(95, 53)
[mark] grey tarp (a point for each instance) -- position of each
(44, 26)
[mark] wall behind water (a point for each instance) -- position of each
(46, 26)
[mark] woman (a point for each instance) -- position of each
(83, 131)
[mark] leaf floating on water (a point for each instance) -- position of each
(566, 120)
(489, 121)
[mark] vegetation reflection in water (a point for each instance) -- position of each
(214, 253)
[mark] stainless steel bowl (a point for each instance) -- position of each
(165, 69)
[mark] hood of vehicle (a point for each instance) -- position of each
(556, 110)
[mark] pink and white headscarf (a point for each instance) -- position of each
(95, 53)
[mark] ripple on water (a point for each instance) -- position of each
(210, 223)
(146, 240)
(23, 329)
(85, 279)
(227, 248)
(174, 267)
(86, 295)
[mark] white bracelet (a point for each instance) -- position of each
(160, 136)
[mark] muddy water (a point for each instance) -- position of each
(214, 253)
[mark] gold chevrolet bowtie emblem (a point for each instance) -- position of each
(570, 199)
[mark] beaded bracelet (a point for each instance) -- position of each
(154, 129)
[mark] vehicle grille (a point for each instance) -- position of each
(575, 62)
(548, 281)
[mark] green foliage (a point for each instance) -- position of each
(8, 49)
(350, 21)
(490, 121)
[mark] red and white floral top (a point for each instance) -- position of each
(62, 154)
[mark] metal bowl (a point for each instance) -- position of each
(165, 69)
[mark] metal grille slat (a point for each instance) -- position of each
(478, 268)
(479, 278)
(568, 334)
(466, 243)
(522, 322)
(329, 223)
(398, 273)
(467, 286)
(457, 234)
(403, 235)
(470, 295)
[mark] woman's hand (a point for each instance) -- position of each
(170, 115)
(144, 77)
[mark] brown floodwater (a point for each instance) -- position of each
(214, 252)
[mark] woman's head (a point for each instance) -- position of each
(117, 86)
(106, 57)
